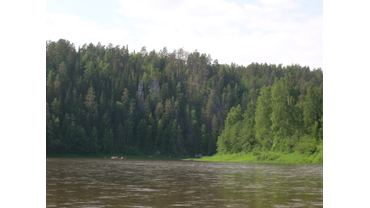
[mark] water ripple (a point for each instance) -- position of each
(157, 183)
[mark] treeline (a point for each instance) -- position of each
(105, 99)
(285, 118)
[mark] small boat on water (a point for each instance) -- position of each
(116, 158)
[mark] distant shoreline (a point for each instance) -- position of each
(160, 157)
(265, 157)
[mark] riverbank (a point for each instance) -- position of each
(252, 157)
(265, 157)
(158, 157)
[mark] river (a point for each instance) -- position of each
(176, 183)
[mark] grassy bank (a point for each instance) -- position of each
(266, 157)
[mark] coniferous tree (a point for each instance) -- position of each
(160, 135)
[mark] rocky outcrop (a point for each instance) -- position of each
(140, 95)
(154, 87)
(218, 103)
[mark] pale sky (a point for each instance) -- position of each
(242, 32)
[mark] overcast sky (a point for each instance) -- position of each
(263, 31)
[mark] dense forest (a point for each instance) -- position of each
(106, 100)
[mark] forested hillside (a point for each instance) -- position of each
(106, 99)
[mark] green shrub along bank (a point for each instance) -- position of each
(297, 157)
(265, 157)
(304, 153)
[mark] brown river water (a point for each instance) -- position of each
(176, 183)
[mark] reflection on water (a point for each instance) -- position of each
(173, 183)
